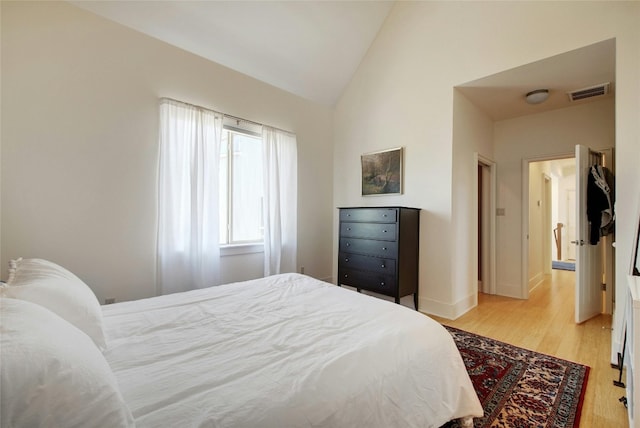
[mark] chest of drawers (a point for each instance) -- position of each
(378, 250)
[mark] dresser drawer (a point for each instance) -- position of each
(369, 247)
(382, 231)
(378, 215)
(367, 263)
(379, 283)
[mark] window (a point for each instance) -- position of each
(197, 216)
(241, 187)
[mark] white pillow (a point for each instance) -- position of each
(52, 374)
(52, 286)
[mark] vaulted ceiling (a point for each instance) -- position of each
(309, 48)
(313, 48)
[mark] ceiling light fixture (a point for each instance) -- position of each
(538, 96)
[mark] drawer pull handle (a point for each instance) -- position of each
(348, 244)
(346, 275)
(348, 228)
(384, 215)
(382, 266)
(384, 231)
(346, 260)
(382, 283)
(384, 248)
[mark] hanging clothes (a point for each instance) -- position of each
(599, 203)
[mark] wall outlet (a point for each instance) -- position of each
(109, 300)
(500, 211)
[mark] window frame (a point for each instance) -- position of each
(237, 247)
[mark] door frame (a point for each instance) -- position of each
(524, 262)
(609, 153)
(547, 201)
(490, 272)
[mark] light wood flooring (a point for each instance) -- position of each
(545, 323)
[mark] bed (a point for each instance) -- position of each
(282, 351)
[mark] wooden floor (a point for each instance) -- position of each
(545, 323)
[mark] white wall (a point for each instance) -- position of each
(0, 150)
(472, 133)
(79, 145)
(563, 183)
(535, 268)
(403, 92)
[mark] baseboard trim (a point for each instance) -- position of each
(450, 311)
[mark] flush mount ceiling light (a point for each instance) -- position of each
(538, 96)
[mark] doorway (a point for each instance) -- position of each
(551, 218)
(554, 242)
(486, 224)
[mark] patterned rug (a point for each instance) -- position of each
(521, 388)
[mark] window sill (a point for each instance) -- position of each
(239, 249)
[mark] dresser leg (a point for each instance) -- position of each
(397, 300)
(415, 300)
(358, 290)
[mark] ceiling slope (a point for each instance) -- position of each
(309, 48)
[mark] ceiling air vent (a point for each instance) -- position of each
(590, 92)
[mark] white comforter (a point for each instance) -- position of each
(284, 351)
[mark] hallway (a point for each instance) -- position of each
(545, 323)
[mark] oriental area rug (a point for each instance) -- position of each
(521, 388)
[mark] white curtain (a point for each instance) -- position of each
(280, 201)
(188, 253)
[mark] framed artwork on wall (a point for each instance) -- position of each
(382, 172)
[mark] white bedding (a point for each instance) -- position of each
(284, 351)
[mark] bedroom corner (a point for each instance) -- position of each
(79, 183)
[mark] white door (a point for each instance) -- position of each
(588, 257)
(570, 229)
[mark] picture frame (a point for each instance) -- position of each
(382, 172)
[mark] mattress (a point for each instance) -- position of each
(284, 351)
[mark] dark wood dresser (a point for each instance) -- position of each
(378, 250)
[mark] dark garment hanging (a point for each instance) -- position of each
(599, 203)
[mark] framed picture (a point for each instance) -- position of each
(382, 172)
